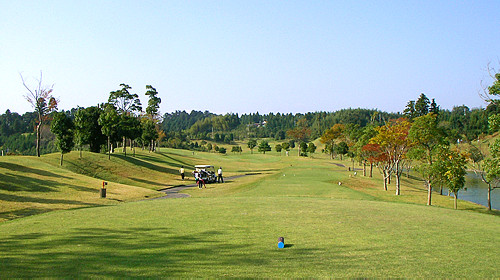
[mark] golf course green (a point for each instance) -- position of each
(335, 224)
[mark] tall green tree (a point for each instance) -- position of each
(44, 104)
(303, 148)
(264, 147)
(422, 106)
(127, 104)
(490, 169)
(109, 120)
(311, 148)
(124, 101)
(409, 111)
(153, 102)
(88, 131)
(341, 149)
(434, 108)
(152, 111)
(251, 144)
(129, 128)
(285, 146)
(455, 173)
(425, 136)
(62, 126)
(149, 132)
(278, 148)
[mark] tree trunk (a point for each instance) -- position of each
(38, 136)
(364, 168)
(489, 197)
(398, 185)
(398, 179)
(385, 179)
(80, 151)
(455, 200)
(109, 147)
(429, 192)
(62, 158)
(371, 169)
(152, 148)
(124, 146)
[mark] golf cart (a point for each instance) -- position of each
(207, 173)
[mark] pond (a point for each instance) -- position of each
(477, 191)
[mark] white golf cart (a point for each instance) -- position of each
(207, 173)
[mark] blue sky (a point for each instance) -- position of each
(249, 56)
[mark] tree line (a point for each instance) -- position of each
(424, 140)
(421, 137)
(181, 129)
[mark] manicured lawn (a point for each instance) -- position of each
(352, 230)
(29, 185)
(237, 237)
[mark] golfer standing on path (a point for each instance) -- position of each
(182, 172)
(219, 177)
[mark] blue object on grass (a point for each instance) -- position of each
(281, 245)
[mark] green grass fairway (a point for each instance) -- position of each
(353, 230)
(237, 237)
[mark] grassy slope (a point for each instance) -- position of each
(352, 230)
(29, 185)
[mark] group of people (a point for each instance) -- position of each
(199, 175)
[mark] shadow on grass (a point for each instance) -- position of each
(179, 162)
(148, 182)
(172, 161)
(83, 189)
(12, 182)
(136, 252)
(25, 169)
(17, 198)
(146, 164)
(14, 214)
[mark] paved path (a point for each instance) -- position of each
(341, 165)
(174, 191)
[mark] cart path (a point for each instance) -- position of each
(174, 191)
(341, 165)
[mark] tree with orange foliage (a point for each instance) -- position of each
(374, 154)
(393, 141)
(330, 135)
